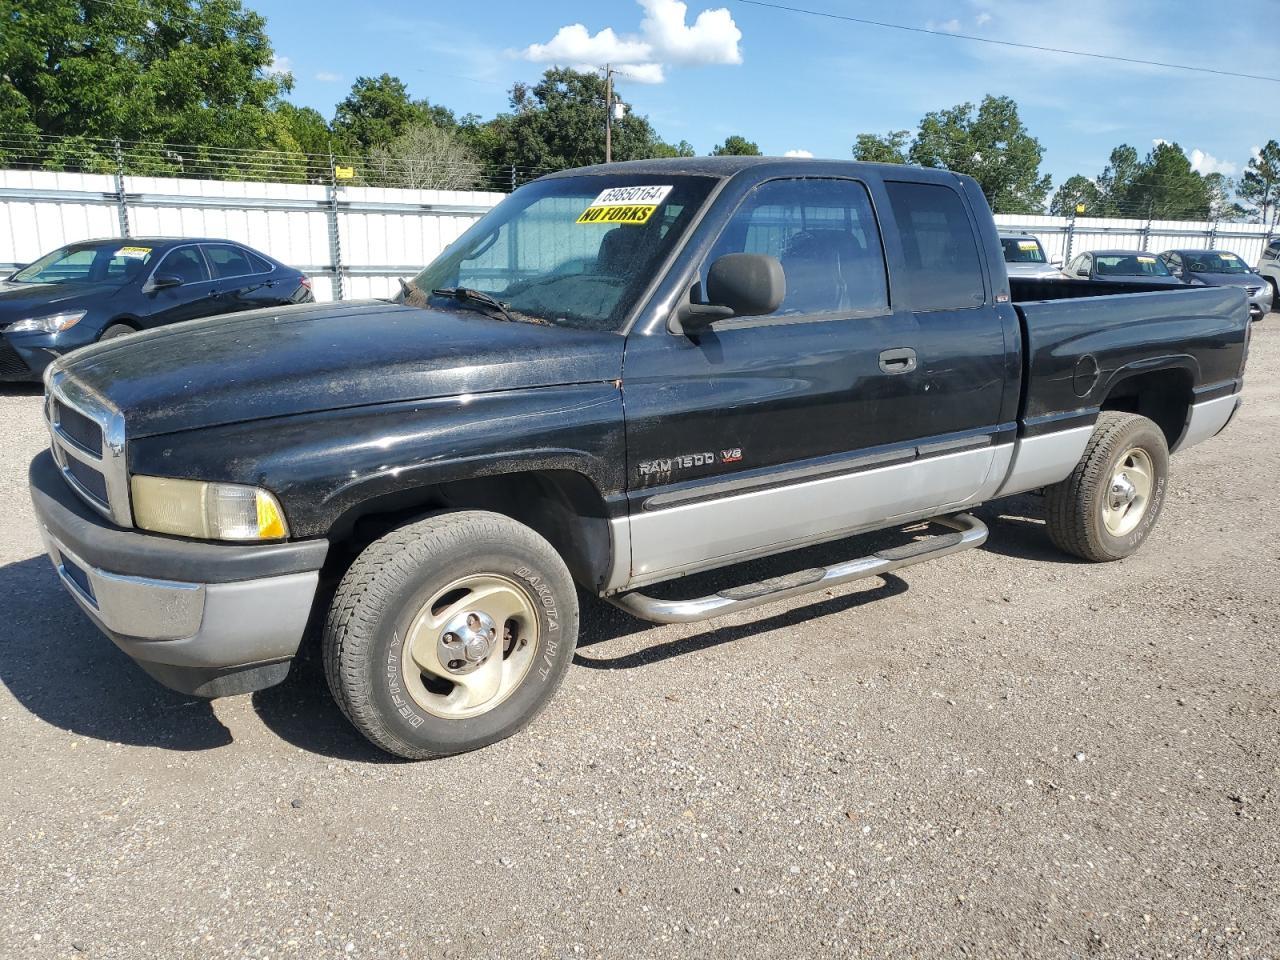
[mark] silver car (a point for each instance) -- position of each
(1024, 257)
(1269, 270)
(1220, 268)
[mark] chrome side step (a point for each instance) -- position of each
(969, 532)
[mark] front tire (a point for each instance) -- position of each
(450, 634)
(116, 330)
(1108, 506)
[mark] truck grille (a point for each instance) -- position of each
(87, 436)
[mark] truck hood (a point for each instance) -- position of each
(303, 359)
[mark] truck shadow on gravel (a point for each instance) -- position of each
(57, 665)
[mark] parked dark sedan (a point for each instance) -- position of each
(1219, 268)
(1121, 266)
(98, 289)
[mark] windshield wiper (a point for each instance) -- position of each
(466, 295)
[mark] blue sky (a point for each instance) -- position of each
(808, 83)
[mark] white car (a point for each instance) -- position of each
(1024, 257)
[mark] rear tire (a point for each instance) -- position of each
(449, 634)
(116, 330)
(1106, 509)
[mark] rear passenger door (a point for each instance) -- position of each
(242, 280)
(768, 432)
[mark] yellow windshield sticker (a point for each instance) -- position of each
(134, 253)
(625, 205)
(1146, 259)
(1028, 245)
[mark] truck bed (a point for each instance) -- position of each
(1082, 337)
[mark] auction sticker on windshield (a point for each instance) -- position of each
(133, 253)
(625, 205)
(1028, 245)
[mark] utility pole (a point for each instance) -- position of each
(608, 113)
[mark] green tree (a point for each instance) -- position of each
(891, 148)
(736, 146)
(1260, 185)
(1073, 192)
(424, 157)
(379, 109)
(1116, 181)
(1166, 188)
(154, 70)
(682, 149)
(1222, 202)
(992, 146)
(559, 122)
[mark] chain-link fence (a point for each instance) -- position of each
(421, 168)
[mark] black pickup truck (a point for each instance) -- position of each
(621, 375)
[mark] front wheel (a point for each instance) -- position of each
(449, 634)
(117, 330)
(1107, 507)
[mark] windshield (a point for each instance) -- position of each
(1213, 262)
(1129, 265)
(1022, 250)
(115, 263)
(570, 251)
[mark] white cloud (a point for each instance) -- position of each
(665, 39)
(279, 65)
(983, 19)
(946, 26)
(801, 154)
(1204, 163)
(324, 76)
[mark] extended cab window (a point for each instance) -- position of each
(944, 271)
(825, 236)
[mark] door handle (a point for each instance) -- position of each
(901, 360)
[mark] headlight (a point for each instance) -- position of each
(207, 511)
(55, 323)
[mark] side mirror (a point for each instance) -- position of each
(163, 281)
(738, 285)
(1056, 263)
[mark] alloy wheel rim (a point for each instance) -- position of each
(1128, 493)
(470, 646)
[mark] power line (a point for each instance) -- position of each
(1005, 43)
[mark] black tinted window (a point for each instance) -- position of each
(825, 236)
(185, 263)
(228, 261)
(944, 270)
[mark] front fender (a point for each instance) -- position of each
(326, 466)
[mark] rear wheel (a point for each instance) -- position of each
(449, 634)
(1107, 507)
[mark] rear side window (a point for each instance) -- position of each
(228, 261)
(824, 234)
(944, 271)
(185, 263)
(1272, 252)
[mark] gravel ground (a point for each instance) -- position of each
(1005, 753)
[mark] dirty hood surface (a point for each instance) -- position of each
(304, 359)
